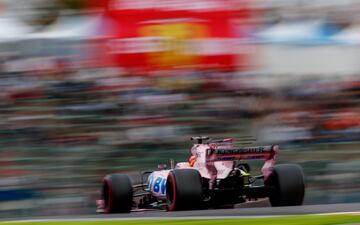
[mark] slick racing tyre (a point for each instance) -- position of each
(286, 184)
(184, 190)
(117, 193)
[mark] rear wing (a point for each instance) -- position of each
(244, 153)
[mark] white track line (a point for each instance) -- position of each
(339, 213)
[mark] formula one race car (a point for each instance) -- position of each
(214, 176)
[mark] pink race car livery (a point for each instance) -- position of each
(214, 176)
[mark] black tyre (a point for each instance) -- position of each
(286, 184)
(117, 193)
(184, 189)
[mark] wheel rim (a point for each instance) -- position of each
(171, 192)
(107, 195)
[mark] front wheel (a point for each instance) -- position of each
(117, 193)
(184, 189)
(286, 185)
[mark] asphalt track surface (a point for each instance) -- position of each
(245, 212)
(242, 211)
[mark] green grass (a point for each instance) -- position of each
(288, 220)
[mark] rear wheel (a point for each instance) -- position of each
(184, 189)
(286, 184)
(117, 193)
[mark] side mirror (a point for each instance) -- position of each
(162, 166)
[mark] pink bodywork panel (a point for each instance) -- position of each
(157, 183)
(209, 169)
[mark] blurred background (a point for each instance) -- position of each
(95, 87)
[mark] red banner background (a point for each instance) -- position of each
(144, 36)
